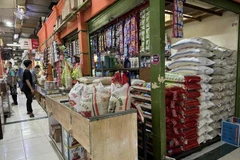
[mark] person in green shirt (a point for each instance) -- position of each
(12, 83)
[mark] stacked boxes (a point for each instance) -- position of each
(72, 150)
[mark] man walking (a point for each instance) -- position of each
(12, 83)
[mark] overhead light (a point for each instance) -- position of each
(16, 36)
(9, 24)
(13, 45)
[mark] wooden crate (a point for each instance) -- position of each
(108, 137)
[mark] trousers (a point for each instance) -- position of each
(29, 97)
(13, 90)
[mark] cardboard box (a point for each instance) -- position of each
(68, 139)
(231, 131)
(56, 132)
(74, 153)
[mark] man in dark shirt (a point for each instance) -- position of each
(27, 87)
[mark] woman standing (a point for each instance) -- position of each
(27, 87)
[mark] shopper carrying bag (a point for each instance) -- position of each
(12, 83)
(27, 87)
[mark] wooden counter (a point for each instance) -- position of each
(108, 137)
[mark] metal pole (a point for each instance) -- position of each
(237, 104)
(157, 48)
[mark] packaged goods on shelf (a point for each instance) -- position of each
(68, 139)
(74, 153)
(56, 132)
(198, 56)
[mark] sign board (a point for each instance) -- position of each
(30, 44)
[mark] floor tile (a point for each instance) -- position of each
(15, 155)
(38, 149)
(11, 147)
(35, 141)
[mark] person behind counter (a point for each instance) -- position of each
(27, 87)
(12, 83)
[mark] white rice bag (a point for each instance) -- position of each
(217, 79)
(205, 78)
(192, 52)
(197, 70)
(86, 102)
(219, 62)
(101, 99)
(137, 82)
(194, 42)
(74, 95)
(120, 99)
(225, 51)
(206, 105)
(190, 61)
(205, 96)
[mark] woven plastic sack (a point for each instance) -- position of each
(217, 79)
(190, 61)
(205, 78)
(192, 52)
(104, 81)
(101, 99)
(120, 99)
(194, 70)
(219, 62)
(194, 42)
(74, 95)
(205, 96)
(86, 102)
(206, 105)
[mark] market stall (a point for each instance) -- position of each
(124, 37)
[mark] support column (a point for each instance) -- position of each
(83, 44)
(157, 44)
(237, 104)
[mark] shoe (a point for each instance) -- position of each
(32, 115)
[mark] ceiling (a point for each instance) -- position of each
(36, 10)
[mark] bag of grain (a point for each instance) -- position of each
(120, 98)
(74, 95)
(101, 99)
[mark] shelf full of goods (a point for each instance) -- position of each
(123, 45)
(95, 102)
(67, 65)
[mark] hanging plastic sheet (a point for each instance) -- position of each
(177, 30)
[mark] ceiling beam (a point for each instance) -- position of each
(199, 8)
(225, 4)
(186, 16)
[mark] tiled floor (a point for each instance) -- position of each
(19, 112)
(27, 140)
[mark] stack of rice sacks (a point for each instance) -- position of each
(182, 112)
(198, 56)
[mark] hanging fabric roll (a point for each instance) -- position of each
(177, 27)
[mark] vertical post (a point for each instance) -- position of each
(157, 49)
(237, 104)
